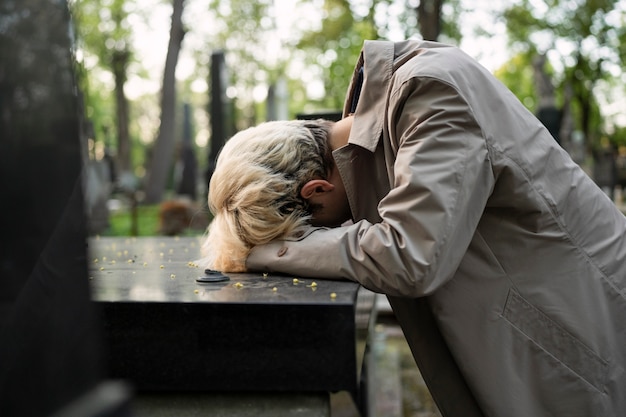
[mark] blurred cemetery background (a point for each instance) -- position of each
(162, 84)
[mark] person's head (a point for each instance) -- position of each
(256, 190)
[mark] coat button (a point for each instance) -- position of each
(282, 251)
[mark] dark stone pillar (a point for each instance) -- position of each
(220, 110)
(50, 347)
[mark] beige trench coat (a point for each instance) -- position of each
(504, 263)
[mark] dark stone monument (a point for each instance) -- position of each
(252, 332)
(605, 169)
(248, 345)
(189, 165)
(277, 104)
(220, 109)
(551, 118)
(50, 349)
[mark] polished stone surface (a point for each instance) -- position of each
(163, 269)
(166, 331)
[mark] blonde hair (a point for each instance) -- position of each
(254, 193)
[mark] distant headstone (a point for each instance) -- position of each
(187, 161)
(605, 169)
(551, 118)
(277, 101)
(220, 109)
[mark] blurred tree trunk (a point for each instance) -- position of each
(429, 18)
(103, 30)
(119, 65)
(163, 152)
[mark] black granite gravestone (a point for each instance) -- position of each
(249, 345)
(50, 354)
(166, 331)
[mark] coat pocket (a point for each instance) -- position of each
(557, 342)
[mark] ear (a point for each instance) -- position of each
(315, 187)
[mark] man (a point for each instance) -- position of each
(502, 260)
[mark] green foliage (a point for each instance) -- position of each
(583, 39)
(242, 30)
(147, 222)
(103, 27)
(451, 15)
(334, 46)
(521, 24)
(334, 49)
(103, 39)
(99, 109)
(517, 75)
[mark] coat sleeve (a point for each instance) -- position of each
(442, 179)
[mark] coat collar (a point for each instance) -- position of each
(376, 60)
